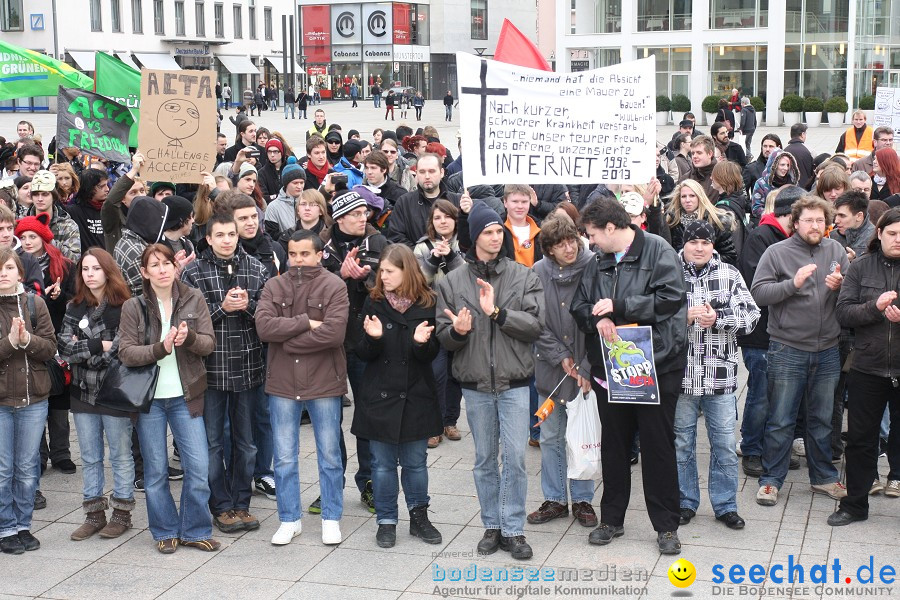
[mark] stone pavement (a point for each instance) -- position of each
(248, 566)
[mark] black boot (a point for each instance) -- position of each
(421, 527)
(386, 536)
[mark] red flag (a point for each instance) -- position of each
(515, 49)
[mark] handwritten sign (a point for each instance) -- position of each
(93, 123)
(630, 368)
(887, 107)
(529, 126)
(177, 133)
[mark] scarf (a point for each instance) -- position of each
(399, 303)
(345, 242)
(318, 172)
(778, 181)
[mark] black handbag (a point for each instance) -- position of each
(129, 389)
(56, 369)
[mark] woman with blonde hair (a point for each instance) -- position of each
(66, 182)
(690, 203)
(312, 214)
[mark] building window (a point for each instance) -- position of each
(96, 17)
(818, 69)
(219, 17)
(743, 68)
(673, 68)
(596, 16)
(11, 15)
(200, 18)
(267, 22)
(115, 14)
(735, 14)
(251, 21)
(179, 17)
(826, 19)
(238, 26)
(137, 17)
(664, 15)
(479, 20)
(585, 59)
(159, 22)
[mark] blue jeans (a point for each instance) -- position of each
(885, 429)
(231, 480)
(412, 458)
(191, 521)
(553, 461)
(376, 99)
(21, 430)
(448, 112)
(793, 373)
(325, 414)
(290, 105)
(90, 428)
(720, 412)
(496, 418)
(273, 104)
(756, 406)
(262, 435)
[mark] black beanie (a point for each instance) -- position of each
(480, 217)
(786, 198)
(699, 230)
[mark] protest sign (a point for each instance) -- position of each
(630, 367)
(95, 124)
(114, 79)
(887, 108)
(529, 126)
(177, 133)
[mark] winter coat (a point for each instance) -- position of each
(804, 161)
(400, 403)
(712, 351)
(90, 225)
(410, 216)
(23, 377)
(304, 363)
(767, 233)
(735, 153)
(269, 181)
(748, 120)
(647, 288)
(724, 243)
(354, 175)
(112, 215)
(752, 172)
(281, 214)
(496, 355)
(82, 347)
(189, 306)
(264, 249)
(435, 268)
(737, 205)
(857, 239)
(389, 191)
(766, 184)
(66, 235)
(236, 364)
(703, 176)
(289, 97)
(143, 227)
(560, 337)
(549, 196)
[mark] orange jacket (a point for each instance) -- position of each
(861, 149)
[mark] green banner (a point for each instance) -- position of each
(93, 123)
(121, 83)
(25, 73)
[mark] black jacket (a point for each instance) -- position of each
(752, 172)
(407, 222)
(549, 196)
(399, 404)
(738, 205)
(755, 245)
(90, 225)
(804, 159)
(269, 181)
(877, 339)
(735, 153)
(748, 120)
(647, 288)
(391, 192)
(724, 244)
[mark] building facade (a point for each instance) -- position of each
(766, 48)
(241, 39)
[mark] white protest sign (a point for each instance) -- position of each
(530, 126)
(887, 108)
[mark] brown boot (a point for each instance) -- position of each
(120, 521)
(94, 521)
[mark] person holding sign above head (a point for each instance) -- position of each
(246, 136)
(634, 279)
(720, 308)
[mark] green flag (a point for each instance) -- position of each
(117, 81)
(25, 73)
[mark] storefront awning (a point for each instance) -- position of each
(278, 64)
(84, 60)
(157, 61)
(125, 57)
(238, 65)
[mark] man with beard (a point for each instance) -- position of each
(883, 137)
(408, 221)
(754, 169)
(730, 150)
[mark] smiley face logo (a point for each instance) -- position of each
(178, 119)
(682, 573)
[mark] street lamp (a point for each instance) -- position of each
(303, 68)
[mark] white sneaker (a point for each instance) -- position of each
(331, 532)
(892, 489)
(767, 495)
(877, 487)
(799, 447)
(286, 532)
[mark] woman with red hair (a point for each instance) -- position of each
(886, 167)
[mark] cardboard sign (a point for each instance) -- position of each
(177, 133)
(887, 108)
(530, 126)
(630, 368)
(95, 124)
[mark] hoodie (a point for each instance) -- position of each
(769, 181)
(281, 214)
(144, 226)
(354, 175)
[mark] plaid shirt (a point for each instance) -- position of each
(712, 353)
(128, 253)
(238, 363)
(80, 338)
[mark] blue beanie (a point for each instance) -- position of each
(480, 217)
(290, 172)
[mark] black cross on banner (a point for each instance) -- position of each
(484, 92)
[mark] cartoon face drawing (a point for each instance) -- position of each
(178, 119)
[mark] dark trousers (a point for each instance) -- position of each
(868, 396)
(659, 470)
(448, 391)
(747, 138)
(356, 368)
(840, 396)
(58, 432)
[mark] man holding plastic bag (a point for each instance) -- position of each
(562, 372)
(720, 308)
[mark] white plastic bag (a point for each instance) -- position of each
(583, 438)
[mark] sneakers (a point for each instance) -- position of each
(139, 484)
(228, 522)
(877, 487)
(175, 474)
(367, 497)
(40, 501)
(517, 547)
(434, 441)
(386, 536)
(286, 532)
(452, 433)
(316, 507)
(584, 512)
(331, 532)
(799, 447)
(29, 542)
(604, 534)
(767, 495)
(65, 465)
(548, 511)
(752, 466)
(490, 542)
(420, 526)
(668, 542)
(892, 489)
(248, 521)
(834, 490)
(265, 485)
(11, 544)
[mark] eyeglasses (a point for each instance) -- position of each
(31, 163)
(389, 151)
(273, 151)
(813, 221)
(358, 214)
(889, 140)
